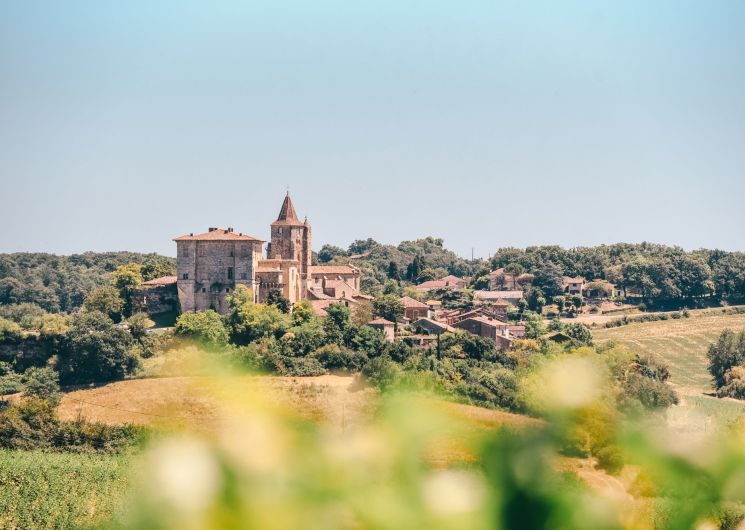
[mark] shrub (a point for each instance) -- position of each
(610, 459)
(10, 332)
(303, 366)
(42, 383)
(335, 357)
(94, 349)
(205, 326)
(380, 372)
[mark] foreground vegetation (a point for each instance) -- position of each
(61, 490)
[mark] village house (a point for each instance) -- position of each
(500, 332)
(500, 280)
(446, 282)
(386, 326)
(433, 327)
(414, 309)
(573, 285)
(498, 297)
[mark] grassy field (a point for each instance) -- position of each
(681, 343)
(60, 490)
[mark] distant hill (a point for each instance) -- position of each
(61, 283)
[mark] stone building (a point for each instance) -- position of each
(210, 266)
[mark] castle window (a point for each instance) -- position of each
(185, 276)
(231, 253)
(230, 273)
(280, 230)
(227, 289)
(204, 289)
(244, 276)
(185, 252)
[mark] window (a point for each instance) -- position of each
(185, 276)
(204, 289)
(232, 254)
(227, 289)
(244, 276)
(185, 252)
(230, 273)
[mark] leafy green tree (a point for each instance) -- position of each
(381, 372)
(337, 324)
(157, 267)
(393, 272)
(549, 278)
(534, 327)
(10, 332)
(370, 341)
(249, 322)
(724, 354)
(107, 300)
(42, 383)
(303, 313)
(329, 252)
(275, 298)
(138, 324)
(95, 349)
(415, 268)
(205, 326)
(127, 278)
(389, 307)
(579, 332)
(560, 301)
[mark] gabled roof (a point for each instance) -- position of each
(497, 295)
(408, 302)
(218, 234)
(380, 322)
(319, 270)
(287, 215)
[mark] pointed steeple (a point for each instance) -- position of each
(287, 215)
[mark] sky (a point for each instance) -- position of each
(486, 123)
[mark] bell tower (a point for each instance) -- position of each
(291, 240)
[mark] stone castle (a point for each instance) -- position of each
(211, 265)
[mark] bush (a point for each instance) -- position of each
(10, 332)
(303, 366)
(204, 326)
(42, 383)
(380, 372)
(610, 458)
(31, 424)
(94, 349)
(335, 357)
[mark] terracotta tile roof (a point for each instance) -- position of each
(408, 302)
(163, 280)
(435, 324)
(578, 279)
(218, 234)
(323, 270)
(381, 322)
(287, 215)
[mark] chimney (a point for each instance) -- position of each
(230, 229)
(212, 228)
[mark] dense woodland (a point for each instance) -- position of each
(659, 275)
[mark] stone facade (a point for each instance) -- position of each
(156, 296)
(210, 265)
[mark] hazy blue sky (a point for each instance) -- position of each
(488, 123)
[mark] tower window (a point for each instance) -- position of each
(185, 276)
(230, 273)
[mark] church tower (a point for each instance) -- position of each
(291, 240)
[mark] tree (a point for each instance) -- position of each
(126, 279)
(42, 383)
(205, 326)
(106, 300)
(249, 322)
(560, 301)
(534, 327)
(157, 267)
(724, 354)
(329, 252)
(393, 272)
(338, 323)
(303, 313)
(389, 307)
(276, 298)
(549, 277)
(579, 332)
(95, 349)
(415, 268)
(138, 324)
(369, 340)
